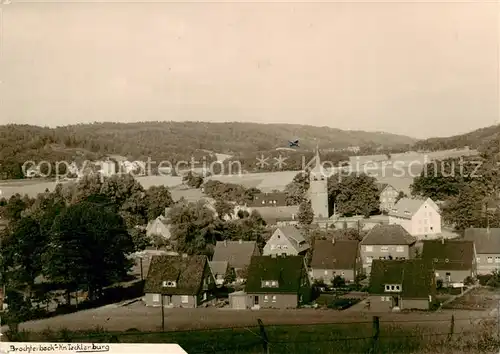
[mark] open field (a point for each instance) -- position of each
(136, 315)
(477, 299)
(399, 172)
(319, 338)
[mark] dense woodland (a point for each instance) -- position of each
(476, 139)
(172, 141)
(469, 188)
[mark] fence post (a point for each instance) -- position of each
(263, 334)
(452, 327)
(376, 333)
(162, 314)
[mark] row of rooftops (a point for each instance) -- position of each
(184, 275)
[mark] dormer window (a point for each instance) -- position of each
(169, 284)
(269, 284)
(435, 260)
(393, 287)
(394, 210)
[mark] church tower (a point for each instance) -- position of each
(318, 189)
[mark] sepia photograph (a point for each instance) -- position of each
(248, 177)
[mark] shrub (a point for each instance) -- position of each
(342, 304)
(484, 279)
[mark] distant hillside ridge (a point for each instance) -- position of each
(173, 141)
(476, 139)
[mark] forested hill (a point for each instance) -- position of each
(169, 140)
(476, 139)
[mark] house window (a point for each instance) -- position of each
(274, 298)
(184, 299)
(342, 273)
(400, 249)
(369, 248)
(266, 298)
(478, 259)
(398, 288)
(268, 283)
(284, 247)
(437, 274)
(387, 288)
(369, 260)
(384, 249)
(156, 297)
(326, 272)
(263, 202)
(490, 259)
(273, 283)
(169, 284)
(273, 247)
(497, 259)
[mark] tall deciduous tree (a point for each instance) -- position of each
(296, 191)
(306, 213)
(354, 194)
(193, 227)
(157, 199)
(88, 248)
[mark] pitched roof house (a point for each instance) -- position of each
(237, 253)
(403, 284)
(386, 242)
(178, 281)
(159, 226)
(219, 271)
(333, 258)
(277, 282)
(487, 244)
(420, 217)
(454, 260)
(286, 240)
(388, 196)
(274, 199)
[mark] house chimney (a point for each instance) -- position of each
(225, 243)
(240, 241)
(333, 239)
(442, 240)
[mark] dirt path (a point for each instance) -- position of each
(143, 318)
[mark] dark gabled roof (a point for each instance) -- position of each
(339, 255)
(186, 271)
(416, 277)
(388, 235)
(268, 198)
(236, 253)
(450, 254)
(485, 240)
(287, 270)
(381, 186)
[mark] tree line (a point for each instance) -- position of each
(469, 188)
(166, 141)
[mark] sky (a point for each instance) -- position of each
(420, 69)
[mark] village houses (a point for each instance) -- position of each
(454, 260)
(279, 282)
(401, 285)
(286, 240)
(420, 217)
(388, 195)
(333, 258)
(487, 244)
(237, 254)
(178, 281)
(390, 242)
